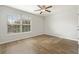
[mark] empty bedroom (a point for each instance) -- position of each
(39, 29)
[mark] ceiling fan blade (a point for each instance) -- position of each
(48, 10)
(48, 7)
(38, 10)
(41, 12)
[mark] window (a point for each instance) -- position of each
(25, 26)
(18, 24)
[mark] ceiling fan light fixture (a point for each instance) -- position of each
(43, 10)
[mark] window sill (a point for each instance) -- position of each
(18, 33)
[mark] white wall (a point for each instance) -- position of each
(37, 25)
(62, 22)
(78, 23)
(0, 25)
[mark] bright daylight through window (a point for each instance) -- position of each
(18, 24)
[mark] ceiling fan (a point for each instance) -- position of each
(43, 8)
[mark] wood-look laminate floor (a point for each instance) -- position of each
(43, 44)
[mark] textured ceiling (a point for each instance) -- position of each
(31, 9)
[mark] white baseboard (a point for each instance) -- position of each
(12, 40)
(37, 35)
(74, 39)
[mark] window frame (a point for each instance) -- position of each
(20, 26)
